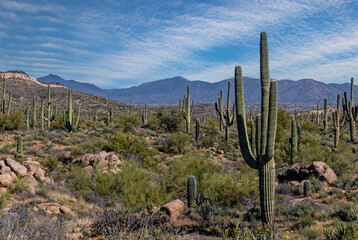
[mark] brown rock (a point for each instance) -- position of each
(329, 176)
(88, 169)
(5, 180)
(32, 166)
(52, 207)
(173, 209)
(3, 189)
(7, 171)
(66, 210)
(2, 164)
(74, 236)
(40, 175)
(31, 184)
(16, 167)
(294, 183)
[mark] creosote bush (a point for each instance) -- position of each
(177, 143)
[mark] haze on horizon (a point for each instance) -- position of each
(116, 44)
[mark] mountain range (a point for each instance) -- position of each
(170, 90)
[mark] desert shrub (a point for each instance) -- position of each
(21, 224)
(137, 186)
(177, 143)
(105, 183)
(210, 132)
(344, 232)
(231, 189)
(175, 178)
(126, 121)
(162, 121)
(4, 197)
(111, 224)
(58, 122)
(346, 212)
(51, 163)
(303, 223)
(128, 144)
(79, 179)
(94, 145)
(6, 149)
(13, 121)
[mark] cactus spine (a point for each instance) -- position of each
(227, 120)
(293, 140)
(325, 117)
(18, 154)
(264, 161)
(197, 131)
(71, 118)
(34, 113)
(351, 112)
(191, 191)
(145, 115)
(187, 110)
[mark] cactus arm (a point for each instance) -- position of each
(241, 120)
(272, 122)
(258, 135)
(265, 90)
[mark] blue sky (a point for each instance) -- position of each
(116, 44)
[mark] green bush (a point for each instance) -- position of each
(138, 188)
(14, 121)
(162, 121)
(177, 143)
(94, 145)
(128, 144)
(79, 179)
(104, 183)
(51, 163)
(210, 132)
(126, 121)
(6, 149)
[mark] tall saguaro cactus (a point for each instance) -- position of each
(197, 131)
(227, 120)
(18, 154)
(49, 112)
(3, 97)
(191, 191)
(325, 117)
(337, 122)
(264, 161)
(27, 117)
(187, 110)
(145, 115)
(71, 118)
(34, 113)
(351, 112)
(219, 107)
(293, 140)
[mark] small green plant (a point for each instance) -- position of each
(176, 143)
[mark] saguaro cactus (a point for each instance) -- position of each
(18, 154)
(337, 122)
(318, 120)
(227, 120)
(293, 139)
(219, 106)
(49, 107)
(9, 104)
(34, 113)
(27, 117)
(3, 97)
(351, 112)
(71, 118)
(191, 191)
(325, 117)
(197, 131)
(264, 161)
(145, 115)
(42, 114)
(307, 188)
(187, 110)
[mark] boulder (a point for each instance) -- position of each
(52, 207)
(300, 172)
(5, 180)
(7, 171)
(32, 166)
(16, 167)
(31, 184)
(40, 175)
(66, 210)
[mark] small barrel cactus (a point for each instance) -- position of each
(307, 188)
(354, 149)
(192, 190)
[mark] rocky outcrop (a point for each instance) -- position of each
(300, 172)
(55, 208)
(21, 75)
(103, 160)
(31, 171)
